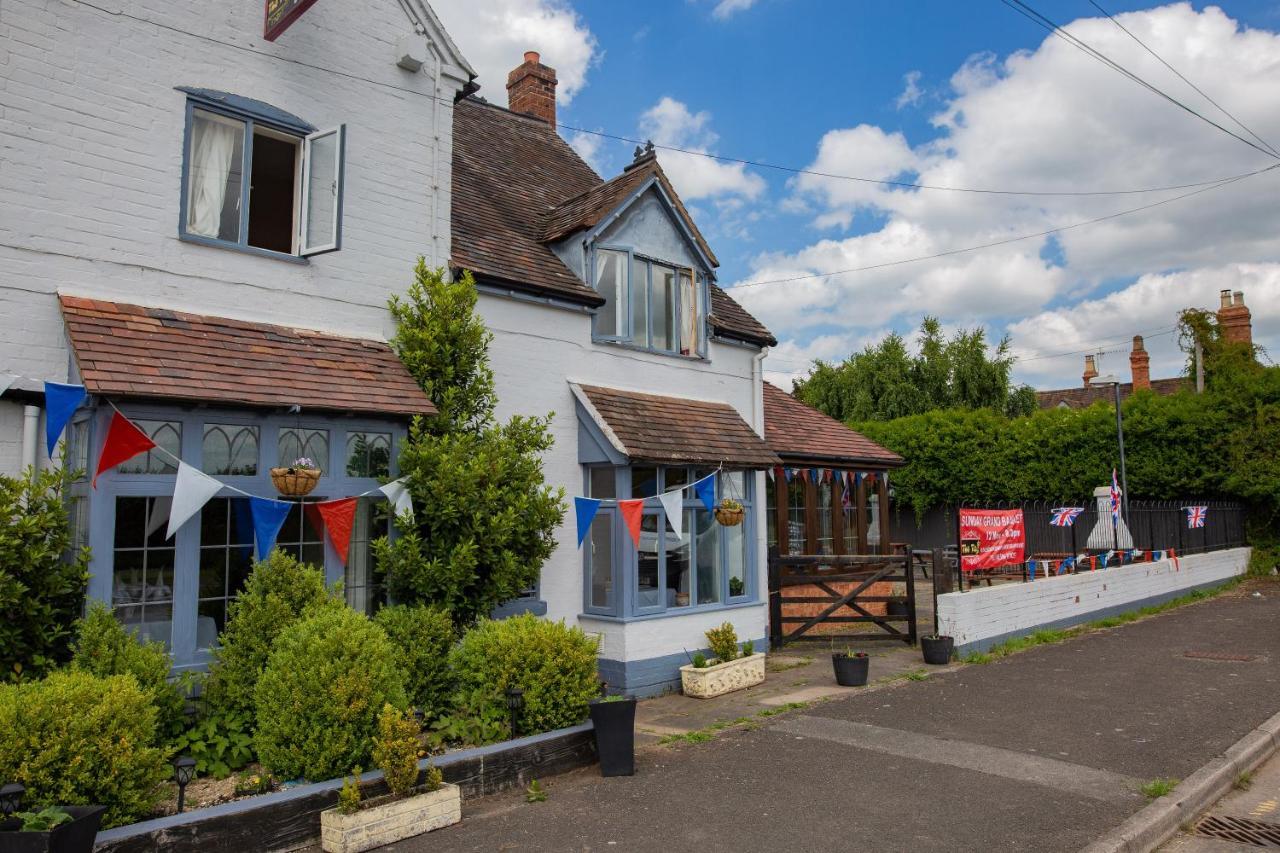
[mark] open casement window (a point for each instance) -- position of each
(322, 168)
(649, 304)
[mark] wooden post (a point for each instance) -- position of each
(810, 514)
(775, 600)
(911, 594)
(860, 514)
(782, 510)
(837, 514)
(882, 490)
(941, 581)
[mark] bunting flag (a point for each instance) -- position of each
(815, 474)
(192, 489)
(885, 478)
(585, 509)
(397, 491)
(1157, 556)
(1066, 564)
(673, 505)
(60, 403)
(773, 473)
(339, 519)
(1093, 564)
(1106, 558)
(1032, 565)
(158, 514)
(124, 441)
(632, 513)
(1173, 555)
(826, 475)
(705, 489)
(268, 518)
(846, 495)
(6, 382)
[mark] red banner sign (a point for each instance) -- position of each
(280, 14)
(991, 537)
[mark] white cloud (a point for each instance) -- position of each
(911, 91)
(494, 35)
(670, 122)
(589, 147)
(728, 8)
(790, 360)
(1044, 119)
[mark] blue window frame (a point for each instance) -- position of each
(258, 179)
(709, 566)
(650, 304)
(176, 590)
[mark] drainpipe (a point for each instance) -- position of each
(757, 390)
(30, 436)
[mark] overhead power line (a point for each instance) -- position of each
(1180, 76)
(758, 164)
(1028, 12)
(1004, 242)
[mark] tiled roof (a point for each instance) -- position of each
(675, 431)
(517, 186)
(797, 432)
(1083, 398)
(134, 351)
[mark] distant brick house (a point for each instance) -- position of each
(1237, 327)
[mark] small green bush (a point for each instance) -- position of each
(220, 743)
(395, 750)
(74, 739)
(477, 717)
(104, 647)
(349, 795)
(422, 637)
(723, 642)
(318, 698)
(553, 663)
(276, 594)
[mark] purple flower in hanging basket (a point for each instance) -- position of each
(304, 462)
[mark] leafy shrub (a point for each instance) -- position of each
(76, 739)
(220, 742)
(44, 820)
(349, 795)
(104, 647)
(248, 784)
(553, 663)
(395, 750)
(422, 637)
(748, 649)
(723, 642)
(276, 594)
(318, 698)
(478, 717)
(699, 660)
(41, 590)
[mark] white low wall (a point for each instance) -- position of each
(985, 616)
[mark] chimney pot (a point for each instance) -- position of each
(1090, 370)
(1239, 300)
(1225, 297)
(531, 88)
(532, 56)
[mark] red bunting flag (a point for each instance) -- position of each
(339, 518)
(124, 441)
(632, 512)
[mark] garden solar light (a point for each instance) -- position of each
(515, 701)
(418, 717)
(11, 798)
(184, 770)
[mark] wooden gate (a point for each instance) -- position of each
(847, 590)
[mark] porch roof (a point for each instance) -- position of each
(674, 430)
(799, 433)
(136, 351)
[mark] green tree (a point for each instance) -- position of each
(43, 576)
(487, 518)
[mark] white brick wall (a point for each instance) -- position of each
(981, 617)
(91, 133)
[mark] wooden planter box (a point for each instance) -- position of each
(394, 820)
(721, 678)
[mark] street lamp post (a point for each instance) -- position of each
(1114, 382)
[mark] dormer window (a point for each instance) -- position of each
(649, 304)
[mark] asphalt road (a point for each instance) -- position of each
(1042, 751)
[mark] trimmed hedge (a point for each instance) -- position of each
(422, 637)
(76, 739)
(553, 663)
(319, 697)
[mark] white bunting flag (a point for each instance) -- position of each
(6, 380)
(673, 503)
(158, 515)
(398, 493)
(192, 489)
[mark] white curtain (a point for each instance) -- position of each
(213, 145)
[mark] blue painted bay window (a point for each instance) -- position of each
(706, 567)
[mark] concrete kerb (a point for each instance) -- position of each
(1159, 821)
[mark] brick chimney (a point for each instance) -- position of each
(1235, 319)
(1090, 370)
(531, 89)
(1140, 365)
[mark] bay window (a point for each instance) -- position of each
(649, 304)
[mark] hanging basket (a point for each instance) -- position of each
(295, 482)
(729, 514)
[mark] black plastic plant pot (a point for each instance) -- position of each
(897, 608)
(850, 671)
(77, 836)
(615, 724)
(937, 650)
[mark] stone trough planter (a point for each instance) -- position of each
(720, 678)
(378, 824)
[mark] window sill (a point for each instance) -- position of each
(673, 613)
(650, 350)
(236, 247)
(518, 607)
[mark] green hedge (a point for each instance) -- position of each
(76, 739)
(422, 637)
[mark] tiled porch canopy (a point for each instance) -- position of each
(153, 353)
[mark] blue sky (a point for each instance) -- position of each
(954, 93)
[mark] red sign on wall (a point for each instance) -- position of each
(280, 14)
(991, 537)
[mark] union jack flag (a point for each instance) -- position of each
(1065, 516)
(1195, 515)
(1115, 499)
